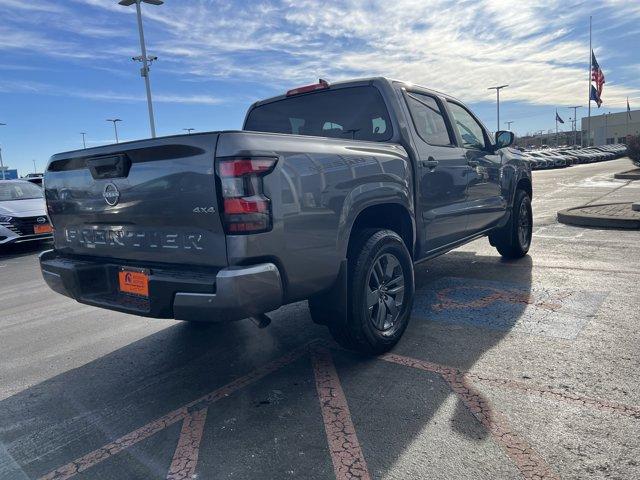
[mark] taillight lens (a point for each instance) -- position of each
(245, 207)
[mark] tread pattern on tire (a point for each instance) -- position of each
(506, 239)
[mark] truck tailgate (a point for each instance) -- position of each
(146, 201)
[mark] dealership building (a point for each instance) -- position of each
(611, 127)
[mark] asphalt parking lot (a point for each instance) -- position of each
(525, 369)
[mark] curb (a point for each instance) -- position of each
(572, 216)
(633, 174)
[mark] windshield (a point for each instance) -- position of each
(357, 113)
(19, 191)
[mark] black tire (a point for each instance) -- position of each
(514, 239)
(380, 288)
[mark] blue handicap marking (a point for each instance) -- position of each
(536, 310)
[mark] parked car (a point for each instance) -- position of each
(538, 162)
(34, 179)
(329, 193)
(23, 216)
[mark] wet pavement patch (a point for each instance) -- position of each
(549, 312)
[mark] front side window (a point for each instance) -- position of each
(468, 127)
(357, 113)
(428, 119)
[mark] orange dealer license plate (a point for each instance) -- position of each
(46, 228)
(134, 281)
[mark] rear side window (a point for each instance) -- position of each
(357, 113)
(428, 119)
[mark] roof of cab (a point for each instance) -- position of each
(356, 82)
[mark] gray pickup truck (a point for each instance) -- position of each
(330, 193)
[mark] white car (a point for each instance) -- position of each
(23, 214)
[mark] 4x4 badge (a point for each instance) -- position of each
(204, 210)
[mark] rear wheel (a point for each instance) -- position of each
(380, 290)
(514, 239)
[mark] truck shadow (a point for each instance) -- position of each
(64, 417)
(8, 252)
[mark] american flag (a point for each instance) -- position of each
(596, 74)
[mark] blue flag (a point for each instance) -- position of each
(558, 119)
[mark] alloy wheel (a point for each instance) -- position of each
(385, 291)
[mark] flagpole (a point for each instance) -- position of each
(628, 115)
(557, 143)
(589, 89)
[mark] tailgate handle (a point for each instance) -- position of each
(113, 166)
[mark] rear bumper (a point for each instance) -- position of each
(227, 295)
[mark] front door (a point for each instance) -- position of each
(442, 174)
(485, 202)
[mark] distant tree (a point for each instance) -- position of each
(633, 150)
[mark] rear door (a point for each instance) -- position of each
(147, 201)
(442, 173)
(485, 203)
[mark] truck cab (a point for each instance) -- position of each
(330, 192)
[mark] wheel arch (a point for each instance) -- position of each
(390, 215)
(524, 183)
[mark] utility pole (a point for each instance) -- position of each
(146, 61)
(497, 89)
(84, 142)
(509, 124)
(2, 164)
(575, 123)
(188, 130)
(115, 126)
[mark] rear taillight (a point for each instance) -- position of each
(245, 207)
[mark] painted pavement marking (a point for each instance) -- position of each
(560, 395)
(530, 464)
(185, 458)
(93, 458)
(346, 454)
(550, 312)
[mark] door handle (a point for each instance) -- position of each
(430, 163)
(473, 163)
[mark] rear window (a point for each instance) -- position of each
(357, 113)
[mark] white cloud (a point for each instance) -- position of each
(31, 5)
(539, 48)
(105, 96)
(460, 48)
(161, 98)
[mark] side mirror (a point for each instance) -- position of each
(504, 139)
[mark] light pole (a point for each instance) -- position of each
(2, 164)
(575, 123)
(497, 89)
(146, 61)
(115, 126)
(35, 169)
(188, 130)
(509, 124)
(84, 141)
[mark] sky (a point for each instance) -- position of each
(65, 65)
